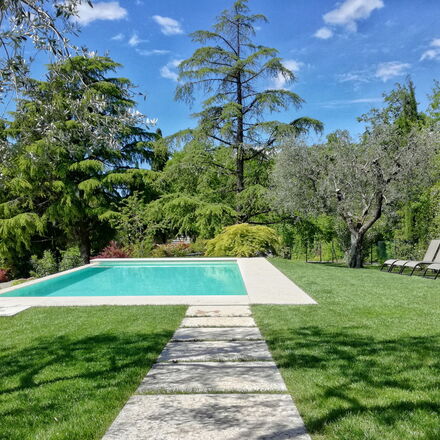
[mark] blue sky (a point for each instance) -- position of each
(345, 54)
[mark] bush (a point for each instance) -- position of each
(46, 265)
(113, 250)
(141, 249)
(171, 250)
(4, 275)
(70, 259)
(198, 247)
(243, 241)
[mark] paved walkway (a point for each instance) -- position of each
(215, 379)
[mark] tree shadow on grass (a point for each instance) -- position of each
(355, 375)
(99, 371)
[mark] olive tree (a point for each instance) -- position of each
(42, 24)
(356, 181)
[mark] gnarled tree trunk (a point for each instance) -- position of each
(355, 253)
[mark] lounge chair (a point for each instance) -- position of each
(429, 258)
(388, 263)
(434, 267)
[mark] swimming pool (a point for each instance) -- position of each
(141, 278)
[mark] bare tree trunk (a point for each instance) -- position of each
(355, 253)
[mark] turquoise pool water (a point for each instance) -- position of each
(142, 279)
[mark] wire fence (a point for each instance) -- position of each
(374, 253)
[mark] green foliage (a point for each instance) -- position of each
(131, 220)
(400, 109)
(70, 259)
(141, 249)
(230, 69)
(181, 214)
(434, 106)
(75, 138)
(243, 240)
(45, 25)
(171, 250)
(46, 265)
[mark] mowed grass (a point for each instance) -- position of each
(365, 362)
(65, 372)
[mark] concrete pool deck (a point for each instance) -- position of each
(265, 284)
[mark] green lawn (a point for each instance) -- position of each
(365, 362)
(66, 372)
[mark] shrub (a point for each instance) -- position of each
(70, 259)
(198, 247)
(141, 249)
(46, 265)
(113, 250)
(4, 275)
(171, 250)
(243, 241)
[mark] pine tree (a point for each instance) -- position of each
(233, 72)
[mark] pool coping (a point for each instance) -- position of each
(264, 283)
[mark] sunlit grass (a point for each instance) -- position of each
(365, 362)
(66, 372)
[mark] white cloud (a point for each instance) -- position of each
(279, 82)
(169, 70)
(323, 33)
(147, 53)
(168, 26)
(346, 15)
(345, 102)
(100, 11)
(434, 52)
(118, 37)
(350, 11)
(359, 76)
(135, 40)
(391, 69)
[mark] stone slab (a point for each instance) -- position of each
(217, 334)
(208, 417)
(206, 311)
(265, 284)
(206, 377)
(215, 351)
(12, 310)
(218, 322)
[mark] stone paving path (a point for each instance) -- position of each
(12, 310)
(215, 379)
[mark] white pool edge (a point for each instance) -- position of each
(264, 283)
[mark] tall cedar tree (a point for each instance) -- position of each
(233, 71)
(78, 147)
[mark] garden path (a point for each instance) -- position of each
(215, 379)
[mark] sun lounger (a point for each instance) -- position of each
(434, 267)
(388, 263)
(429, 258)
